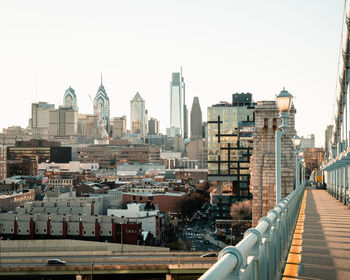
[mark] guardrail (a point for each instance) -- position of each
(263, 251)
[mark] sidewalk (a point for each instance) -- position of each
(324, 239)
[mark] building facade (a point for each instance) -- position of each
(196, 119)
(63, 122)
(197, 150)
(307, 141)
(3, 162)
(40, 151)
(40, 120)
(118, 127)
(153, 126)
(53, 226)
(229, 151)
(138, 115)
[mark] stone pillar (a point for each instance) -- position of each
(262, 167)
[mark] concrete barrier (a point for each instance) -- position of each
(67, 245)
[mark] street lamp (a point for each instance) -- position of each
(296, 143)
(284, 102)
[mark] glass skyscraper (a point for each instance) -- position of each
(177, 106)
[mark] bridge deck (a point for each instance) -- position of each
(324, 249)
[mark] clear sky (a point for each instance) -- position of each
(224, 46)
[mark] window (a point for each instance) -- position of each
(44, 229)
(92, 232)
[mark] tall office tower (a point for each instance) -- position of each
(118, 127)
(39, 123)
(3, 162)
(153, 126)
(101, 107)
(138, 115)
(63, 122)
(70, 99)
(176, 106)
(196, 119)
(185, 111)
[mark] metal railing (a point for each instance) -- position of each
(263, 251)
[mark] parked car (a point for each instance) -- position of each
(55, 261)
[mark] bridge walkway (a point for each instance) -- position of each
(321, 245)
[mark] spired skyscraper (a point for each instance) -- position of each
(101, 107)
(178, 110)
(70, 99)
(138, 117)
(196, 119)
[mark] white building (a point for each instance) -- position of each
(140, 212)
(72, 166)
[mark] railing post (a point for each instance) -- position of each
(274, 244)
(266, 242)
(255, 251)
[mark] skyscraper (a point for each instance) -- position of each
(70, 99)
(63, 122)
(178, 117)
(153, 126)
(39, 123)
(101, 107)
(196, 119)
(185, 111)
(118, 127)
(138, 115)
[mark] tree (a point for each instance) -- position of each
(241, 214)
(189, 205)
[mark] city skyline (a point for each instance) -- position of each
(224, 48)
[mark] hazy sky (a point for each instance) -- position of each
(224, 46)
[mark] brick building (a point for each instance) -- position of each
(138, 154)
(51, 226)
(167, 201)
(9, 202)
(313, 158)
(23, 166)
(3, 162)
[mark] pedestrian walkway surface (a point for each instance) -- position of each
(324, 233)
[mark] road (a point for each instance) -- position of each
(107, 259)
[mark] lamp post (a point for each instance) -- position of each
(296, 142)
(301, 160)
(284, 102)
